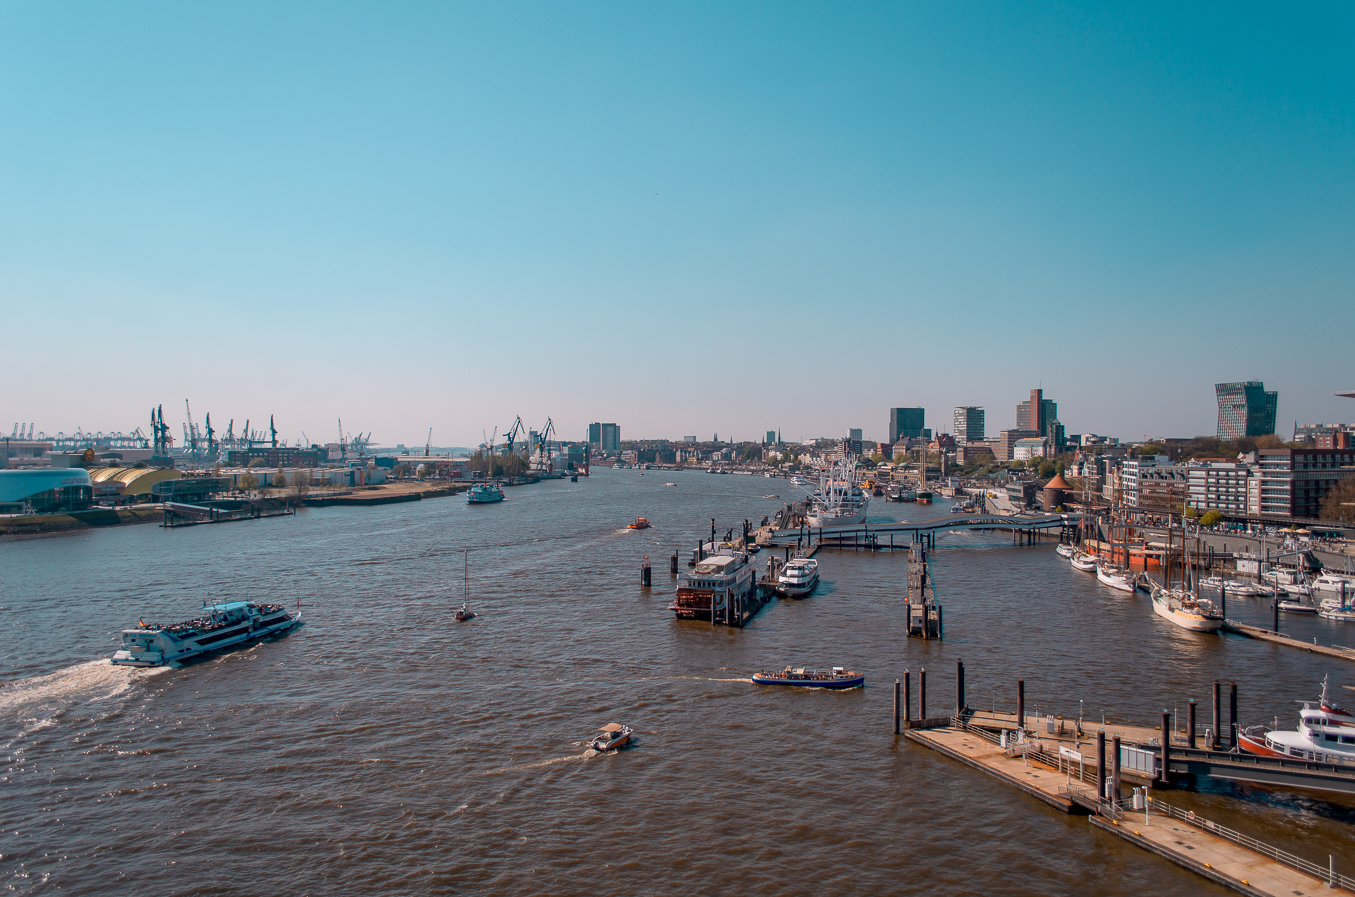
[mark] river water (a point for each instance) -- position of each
(384, 747)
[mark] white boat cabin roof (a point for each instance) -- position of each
(715, 564)
(611, 728)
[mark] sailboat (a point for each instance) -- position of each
(465, 613)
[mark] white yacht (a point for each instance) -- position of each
(840, 501)
(1335, 584)
(1084, 562)
(798, 578)
(1185, 610)
(1326, 734)
(1115, 577)
(220, 626)
(1065, 551)
(718, 588)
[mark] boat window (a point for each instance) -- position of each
(1329, 737)
(1348, 739)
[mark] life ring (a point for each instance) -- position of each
(1190, 815)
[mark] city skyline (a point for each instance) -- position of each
(448, 217)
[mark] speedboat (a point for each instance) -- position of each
(1326, 734)
(1297, 607)
(484, 494)
(837, 677)
(1065, 551)
(1084, 562)
(220, 626)
(670, 484)
(1115, 577)
(798, 578)
(611, 737)
(640, 523)
(1185, 610)
(1335, 583)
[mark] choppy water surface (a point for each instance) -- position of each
(383, 746)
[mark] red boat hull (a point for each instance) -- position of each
(1256, 746)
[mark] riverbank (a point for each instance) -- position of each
(42, 524)
(388, 493)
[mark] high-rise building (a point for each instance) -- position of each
(854, 433)
(906, 423)
(968, 424)
(605, 437)
(1037, 413)
(1245, 409)
(771, 438)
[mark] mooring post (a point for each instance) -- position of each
(1190, 724)
(1218, 718)
(907, 696)
(1166, 746)
(1275, 615)
(1021, 703)
(1115, 767)
(959, 688)
(1101, 764)
(896, 706)
(940, 627)
(922, 694)
(645, 573)
(1232, 714)
(672, 565)
(1223, 600)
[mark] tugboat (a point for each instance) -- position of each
(640, 523)
(837, 677)
(484, 494)
(1326, 734)
(221, 626)
(611, 737)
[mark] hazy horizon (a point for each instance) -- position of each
(693, 220)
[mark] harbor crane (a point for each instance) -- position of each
(428, 445)
(489, 441)
(512, 435)
(343, 443)
(274, 431)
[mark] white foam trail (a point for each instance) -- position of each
(93, 680)
(540, 763)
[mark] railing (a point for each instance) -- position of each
(1025, 748)
(1328, 874)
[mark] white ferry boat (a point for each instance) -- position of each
(718, 587)
(840, 501)
(1185, 610)
(798, 578)
(221, 626)
(1326, 734)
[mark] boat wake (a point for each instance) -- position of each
(543, 763)
(93, 680)
(702, 679)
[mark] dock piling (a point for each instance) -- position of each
(1275, 615)
(1101, 763)
(1115, 767)
(1218, 718)
(959, 688)
(1020, 703)
(1232, 714)
(922, 694)
(645, 573)
(1190, 724)
(907, 696)
(672, 565)
(896, 706)
(1166, 747)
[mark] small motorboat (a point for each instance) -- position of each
(1065, 551)
(1297, 607)
(837, 677)
(670, 484)
(640, 523)
(611, 737)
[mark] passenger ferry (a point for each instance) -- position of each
(221, 626)
(798, 578)
(718, 587)
(484, 494)
(1326, 734)
(837, 677)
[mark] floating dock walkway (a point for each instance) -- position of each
(1266, 635)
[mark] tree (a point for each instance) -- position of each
(1340, 501)
(248, 482)
(257, 462)
(1269, 441)
(1210, 518)
(300, 482)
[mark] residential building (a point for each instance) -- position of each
(906, 423)
(1218, 485)
(1295, 482)
(1162, 486)
(604, 437)
(968, 424)
(1245, 409)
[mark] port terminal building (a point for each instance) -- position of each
(45, 490)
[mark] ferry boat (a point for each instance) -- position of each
(484, 494)
(221, 626)
(1115, 578)
(640, 523)
(798, 578)
(840, 501)
(1185, 610)
(611, 737)
(837, 677)
(718, 587)
(1326, 734)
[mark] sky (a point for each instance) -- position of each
(688, 219)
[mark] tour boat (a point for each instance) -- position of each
(837, 677)
(798, 578)
(718, 587)
(1115, 578)
(611, 737)
(221, 626)
(1326, 734)
(1084, 562)
(640, 523)
(483, 494)
(1185, 610)
(1065, 551)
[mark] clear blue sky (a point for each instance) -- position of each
(683, 218)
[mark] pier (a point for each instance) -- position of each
(1266, 635)
(177, 514)
(902, 536)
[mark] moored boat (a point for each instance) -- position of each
(1065, 551)
(221, 626)
(837, 677)
(718, 588)
(611, 737)
(1084, 562)
(798, 578)
(484, 494)
(1185, 610)
(1326, 734)
(1115, 577)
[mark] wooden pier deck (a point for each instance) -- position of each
(1038, 781)
(1257, 632)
